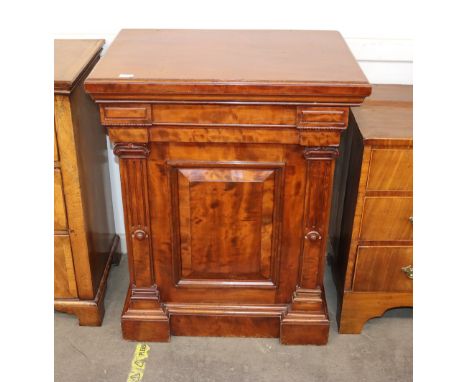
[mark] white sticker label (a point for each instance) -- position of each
(125, 75)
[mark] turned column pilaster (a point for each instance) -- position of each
(319, 172)
(134, 181)
(308, 306)
(143, 317)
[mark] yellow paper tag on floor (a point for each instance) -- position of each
(138, 363)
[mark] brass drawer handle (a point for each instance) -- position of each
(408, 271)
(313, 235)
(411, 219)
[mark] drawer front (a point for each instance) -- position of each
(391, 170)
(60, 215)
(224, 115)
(387, 219)
(323, 117)
(64, 274)
(379, 269)
(123, 114)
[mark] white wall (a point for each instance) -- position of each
(384, 60)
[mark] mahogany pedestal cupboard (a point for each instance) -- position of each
(85, 243)
(227, 142)
(371, 229)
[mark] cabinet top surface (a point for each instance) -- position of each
(387, 114)
(71, 58)
(222, 58)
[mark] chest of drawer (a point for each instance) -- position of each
(387, 219)
(373, 223)
(391, 170)
(382, 269)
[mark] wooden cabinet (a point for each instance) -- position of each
(371, 229)
(227, 142)
(85, 243)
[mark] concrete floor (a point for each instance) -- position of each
(381, 353)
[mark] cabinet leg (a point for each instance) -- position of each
(148, 329)
(89, 313)
(143, 318)
(352, 323)
(91, 316)
(306, 321)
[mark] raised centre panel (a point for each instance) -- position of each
(226, 222)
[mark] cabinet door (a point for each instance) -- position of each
(235, 217)
(226, 220)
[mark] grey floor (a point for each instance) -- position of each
(382, 352)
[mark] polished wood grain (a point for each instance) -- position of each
(216, 320)
(72, 59)
(244, 135)
(123, 114)
(71, 184)
(379, 269)
(226, 142)
(84, 227)
(225, 220)
(360, 307)
(390, 95)
(397, 177)
(224, 115)
(387, 218)
(387, 125)
(91, 312)
(56, 154)
(64, 274)
(372, 228)
(255, 62)
(60, 213)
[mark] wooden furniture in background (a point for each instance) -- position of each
(227, 142)
(371, 230)
(85, 240)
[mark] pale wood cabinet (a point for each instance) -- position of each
(85, 243)
(371, 230)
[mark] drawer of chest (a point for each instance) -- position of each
(384, 269)
(387, 219)
(391, 170)
(60, 215)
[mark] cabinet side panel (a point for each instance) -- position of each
(73, 195)
(349, 203)
(339, 191)
(94, 175)
(64, 274)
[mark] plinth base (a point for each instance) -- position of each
(304, 321)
